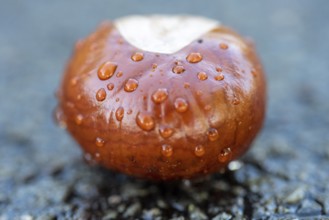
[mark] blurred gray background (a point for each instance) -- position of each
(284, 176)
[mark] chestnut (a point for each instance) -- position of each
(163, 97)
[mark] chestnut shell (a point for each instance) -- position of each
(207, 114)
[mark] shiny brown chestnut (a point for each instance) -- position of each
(163, 97)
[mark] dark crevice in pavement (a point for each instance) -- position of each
(321, 204)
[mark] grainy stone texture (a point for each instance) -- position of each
(284, 176)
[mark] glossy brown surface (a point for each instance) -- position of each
(168, 116)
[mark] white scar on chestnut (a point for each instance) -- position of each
(165, 34)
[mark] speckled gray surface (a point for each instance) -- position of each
(284, 176)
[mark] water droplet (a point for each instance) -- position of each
(219, 77)
(110, 86)
(60, 118)
(167, 150)
(178, 63)
(145, 121)
(219, 69)
(186, 85)
(106, 70)
(138, 56)
(187, 183)
(223, 46)
(178, 69)
(154, 66)
(70, 104)
(117, 99)
(199, 151)
(131, 85)
(236, 101)
(119, 74)
(119, 113)
(202, 76)
(74, 81)
(212, 134)
(254, 73)
(234, 165)
(78, 119)
(101, 95)
(79, 44)
(160, 95)
(207, 107)
(79, 96)
(99, 142)
(129, 112)
(89, 159)
(181, 105)
(225, 155)
(166, 132)
(194, 58)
